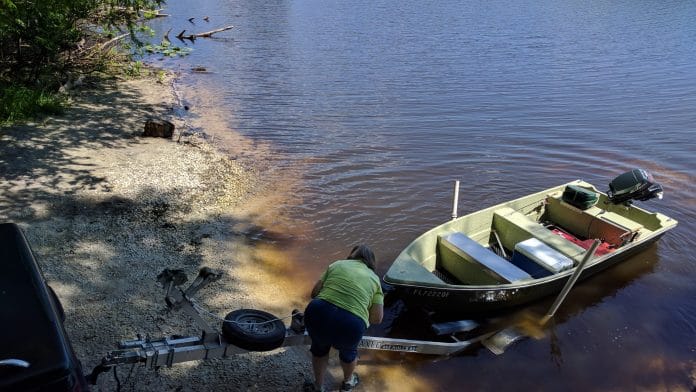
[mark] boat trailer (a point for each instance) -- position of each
(247, 330)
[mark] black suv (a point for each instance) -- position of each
(35, 352)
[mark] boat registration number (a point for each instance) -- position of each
(430, 293)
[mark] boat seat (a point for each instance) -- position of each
(514, 227)
(593, 222)
(472, 263)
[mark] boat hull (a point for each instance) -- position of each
(472, 299)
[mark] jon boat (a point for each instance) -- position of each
(525, 249)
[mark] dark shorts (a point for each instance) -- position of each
(331, 326)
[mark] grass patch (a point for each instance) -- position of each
(19, 103)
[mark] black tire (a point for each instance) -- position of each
(253, 330)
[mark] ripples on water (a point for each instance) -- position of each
(378, 106)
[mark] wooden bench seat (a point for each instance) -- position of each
(472, 263)
(593, 222)
(514, 227)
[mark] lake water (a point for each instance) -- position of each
(369, 110)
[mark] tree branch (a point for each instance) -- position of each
(207, 34)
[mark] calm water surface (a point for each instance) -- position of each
(373, 108)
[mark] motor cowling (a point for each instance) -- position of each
(637, 184)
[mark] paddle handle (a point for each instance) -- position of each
(455, 199)
(569, 284)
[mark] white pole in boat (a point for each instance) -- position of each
(455, 200)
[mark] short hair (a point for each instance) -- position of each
(364, 254)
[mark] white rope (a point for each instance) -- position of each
(201, 309)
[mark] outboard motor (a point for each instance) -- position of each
(636, 184)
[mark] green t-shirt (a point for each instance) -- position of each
(350, 285)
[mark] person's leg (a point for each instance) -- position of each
(317, 315)
(348, 369)
(352, 329)
(319, 365)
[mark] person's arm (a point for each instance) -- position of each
(376, 313)
(317, 288)
(320, 283)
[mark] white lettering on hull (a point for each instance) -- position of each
(375, 345)
(430, 293)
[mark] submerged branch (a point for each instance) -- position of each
(207, 34)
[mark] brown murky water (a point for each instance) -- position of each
(367, 111)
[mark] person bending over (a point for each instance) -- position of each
(345, 301)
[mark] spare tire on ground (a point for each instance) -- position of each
(253, 330)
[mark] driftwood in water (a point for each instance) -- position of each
(151, 14)
(207, 34)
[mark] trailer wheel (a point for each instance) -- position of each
(253, 330)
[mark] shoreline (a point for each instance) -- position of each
(106, 210)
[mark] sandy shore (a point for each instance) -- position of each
(106, 210)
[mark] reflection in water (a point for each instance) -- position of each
(555, 347)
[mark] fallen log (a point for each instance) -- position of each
(207, 34)
(102, 47)
(151, 14)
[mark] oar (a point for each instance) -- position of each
(499, 342)
(569, 284)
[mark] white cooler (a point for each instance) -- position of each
(531, 254)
